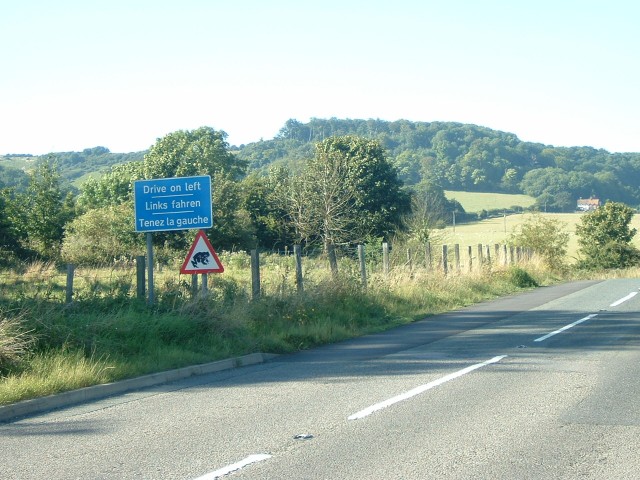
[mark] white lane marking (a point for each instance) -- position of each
(566, 327)
(422, 388)
(235, 466)
(624, 299)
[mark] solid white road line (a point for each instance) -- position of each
(421, 389)
(624, 299)
(233, 467)
(566, 327)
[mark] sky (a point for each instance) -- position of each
(77, 74)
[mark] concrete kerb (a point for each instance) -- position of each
(87, 394)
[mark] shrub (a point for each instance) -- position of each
(521, 278)
(545, 236)
(605, 238)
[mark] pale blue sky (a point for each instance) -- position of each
(122, 73)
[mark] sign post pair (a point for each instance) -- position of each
(180, 203)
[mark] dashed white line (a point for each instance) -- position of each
(566, 327)
(422, 388)
(624, 299)
(235, 466)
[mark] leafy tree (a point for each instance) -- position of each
(9, 244)
(265, 200)
(348, 191)
(430, 210)
(113, 188)
(203, 151)
(184, 153)
(101, 235)
(232, 227)
(45, 210)
(545, 236)
(379, 198)
(605, 236)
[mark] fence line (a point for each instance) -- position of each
(366, 260)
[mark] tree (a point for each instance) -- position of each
(545, 236)
(184, 153)
(203, 151)
(9, 245)
(114, 187)
(265, 199)
(101, 235)
(348, 192)
(46, 208)
(604, 236)
(430, 209)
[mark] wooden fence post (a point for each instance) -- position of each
(69, 295)
(333, 260)
(480, 257)
(470, 256)
(456, 256)
(445, 254)
(255, 275)
(297, 253)
(141, 268)
(385, 258)
(363, 266)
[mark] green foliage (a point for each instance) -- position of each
(204, 151)
(520, 278)
(102, 235)
(265, 199)
(467, 157)
(9, 243)
(185, 153)
(74, 165)
(348, 191)
(11, 177)
(112, 188)
(605, 238)
(547, 237)
(41, 214)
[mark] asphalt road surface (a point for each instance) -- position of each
(542, 385)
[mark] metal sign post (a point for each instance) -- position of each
(167, 204)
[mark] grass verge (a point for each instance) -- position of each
(102, 340)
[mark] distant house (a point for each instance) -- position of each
(588, 204)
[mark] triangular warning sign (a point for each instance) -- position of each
(202, 257)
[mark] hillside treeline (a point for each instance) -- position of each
(347, 191)
(324, 183)
(454, 156)
(72, 166)
(468, 157)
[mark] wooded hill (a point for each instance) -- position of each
(454, 155)
(470, 158)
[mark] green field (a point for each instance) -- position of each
(477, 201)
(497, 230)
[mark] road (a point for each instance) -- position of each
(535, 386)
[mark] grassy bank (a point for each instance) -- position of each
(107, 334)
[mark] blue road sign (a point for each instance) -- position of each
(179, 203)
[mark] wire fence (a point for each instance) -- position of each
(253, 274)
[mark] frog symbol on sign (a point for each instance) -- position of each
(200, 258)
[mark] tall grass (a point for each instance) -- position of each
(107, 334)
